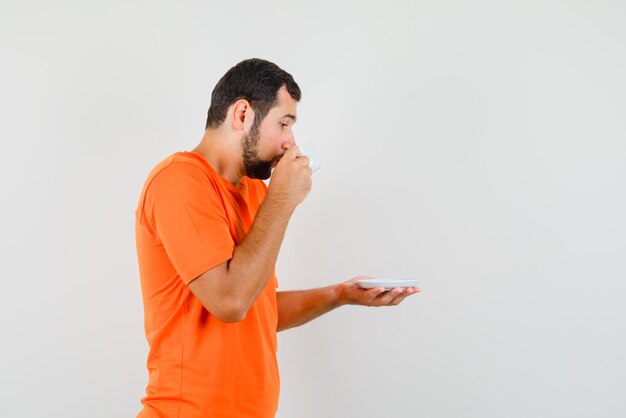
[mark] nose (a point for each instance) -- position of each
(288, 142)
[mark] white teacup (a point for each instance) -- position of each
(310, 150)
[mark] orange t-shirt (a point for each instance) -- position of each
(189, 219)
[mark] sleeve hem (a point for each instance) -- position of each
(218, 258)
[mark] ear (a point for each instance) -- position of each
(242, 115)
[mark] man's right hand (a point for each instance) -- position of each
(291, 179)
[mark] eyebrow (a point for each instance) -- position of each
(292, 117)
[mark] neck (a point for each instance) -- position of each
(223, 153)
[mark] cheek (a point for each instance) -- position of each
(275, 138)
(270, 145)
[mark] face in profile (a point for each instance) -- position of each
(266, 142)
(256, 168)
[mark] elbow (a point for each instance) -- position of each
(225, 303)
(231, 317)
(231, 312)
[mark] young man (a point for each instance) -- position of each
(208, 234)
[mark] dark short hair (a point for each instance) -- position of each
(255, 80)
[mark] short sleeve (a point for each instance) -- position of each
(186, 214)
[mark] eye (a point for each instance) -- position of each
(282, 125)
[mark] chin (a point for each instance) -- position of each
(259, 171)
(264, 176)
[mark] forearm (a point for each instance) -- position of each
(255, 257)
(298, 307)
(229, 289)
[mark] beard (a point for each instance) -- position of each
(255, 167)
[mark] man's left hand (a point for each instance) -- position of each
(349, 293)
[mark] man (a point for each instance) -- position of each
(208, 233)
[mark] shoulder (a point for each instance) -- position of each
(178, 170)
(180, 176)
(180, 162)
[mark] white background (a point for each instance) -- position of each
(477, 145)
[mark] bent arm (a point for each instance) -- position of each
(229, 289)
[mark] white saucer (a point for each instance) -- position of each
(388, 284)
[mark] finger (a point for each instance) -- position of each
(398, 299)
(405, 294)
(292, 152)
(373, 294)
(303, 160)
(387, 297)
